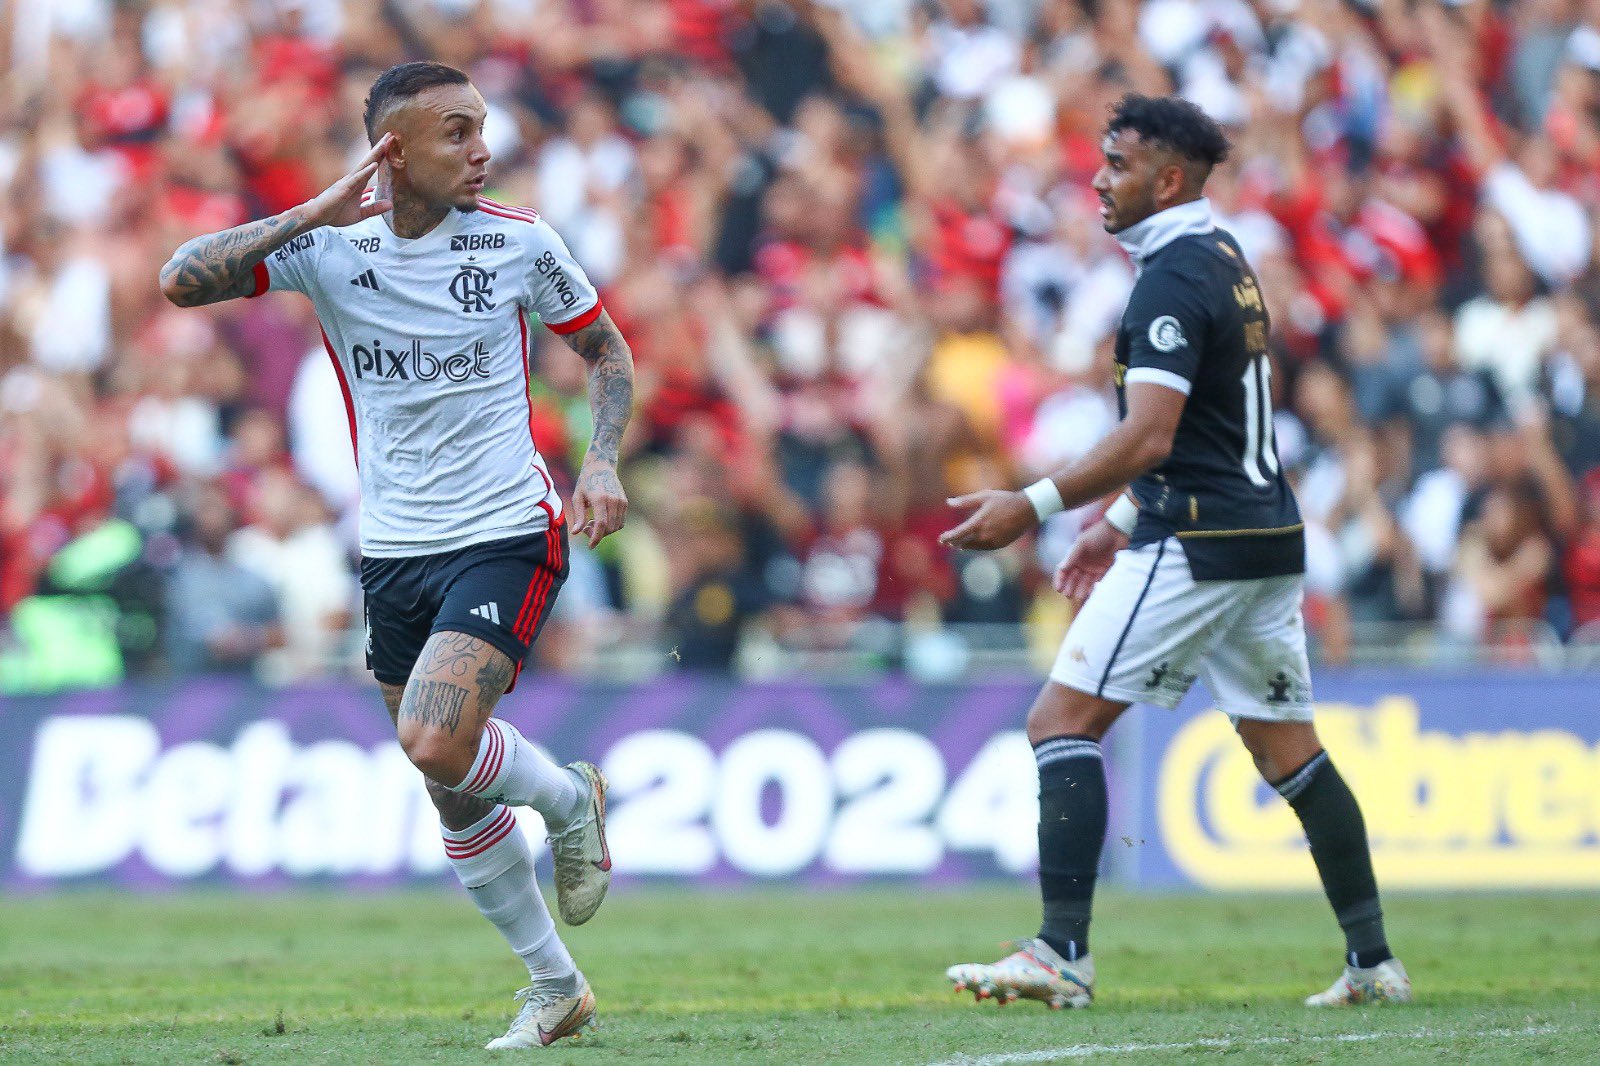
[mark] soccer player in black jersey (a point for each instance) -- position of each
(1197, 569)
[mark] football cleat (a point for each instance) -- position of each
(1033, 971)
(546, 1017)
(582, 860)
(1384, 983)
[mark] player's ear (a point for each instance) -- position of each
(1171, 180)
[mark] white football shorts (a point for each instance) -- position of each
(1150, 629)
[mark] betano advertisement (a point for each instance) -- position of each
(1481, 780)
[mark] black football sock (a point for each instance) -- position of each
(1338, 836)
(1072, 832)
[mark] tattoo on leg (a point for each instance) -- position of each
(452, 652)
(457, 810)
(436, 703)
(494, 677)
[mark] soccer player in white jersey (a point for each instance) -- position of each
(425, 290)
(1196, 571)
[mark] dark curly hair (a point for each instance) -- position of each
(1174, 123)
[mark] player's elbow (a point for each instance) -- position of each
(174, 290)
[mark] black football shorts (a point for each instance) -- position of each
(500, 591)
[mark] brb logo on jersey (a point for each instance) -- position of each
(414, 364)
(472, 287)
(472, 242)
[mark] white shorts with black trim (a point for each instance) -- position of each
(1150, 629)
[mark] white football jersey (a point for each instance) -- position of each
(430, 340)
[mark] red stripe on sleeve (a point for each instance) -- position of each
(573, 325)
(263, 281)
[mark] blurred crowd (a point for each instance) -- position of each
(853, 246)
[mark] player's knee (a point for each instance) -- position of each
(440, 756)
(1260, 751)
(1277, 748)
(1061, 711)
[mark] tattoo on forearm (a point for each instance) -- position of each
(435, 703)
(494, 677)
(219, 266)
(610, 383)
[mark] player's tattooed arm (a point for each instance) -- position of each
(221, 266)
(610, 384)
(599, 501)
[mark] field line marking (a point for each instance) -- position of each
(1083, 1051)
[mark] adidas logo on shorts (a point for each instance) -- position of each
(489, 611)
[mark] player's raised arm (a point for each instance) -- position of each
(221, 266)
(599, 501)
(1139, 442)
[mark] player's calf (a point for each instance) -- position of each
(1296, 766)
(457, 810)
(492, 762)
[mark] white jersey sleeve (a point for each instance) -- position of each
(558, 290)
(293, 267)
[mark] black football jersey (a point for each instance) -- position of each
(1196, 322)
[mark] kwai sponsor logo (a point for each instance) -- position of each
(550, 267)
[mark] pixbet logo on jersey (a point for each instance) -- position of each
(414, 364)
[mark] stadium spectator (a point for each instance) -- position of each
(220, 616)
(289, 545)
(853, 248)
(1503, 567)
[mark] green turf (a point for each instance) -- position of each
(776, 978)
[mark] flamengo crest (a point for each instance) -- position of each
(472, 287)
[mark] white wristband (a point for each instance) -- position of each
(1122, 515)
(1045, 497)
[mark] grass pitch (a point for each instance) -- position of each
(777, 978)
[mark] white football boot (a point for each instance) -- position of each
(546, 1017)
(1384, 983)
(1033, 971)
(582, 860)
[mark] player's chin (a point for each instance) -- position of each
(470, 199)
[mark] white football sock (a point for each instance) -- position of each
(511, 770)
(495, 864)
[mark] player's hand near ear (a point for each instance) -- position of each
(346, 201)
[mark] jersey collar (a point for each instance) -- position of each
(447, 226)
(1144, 239)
